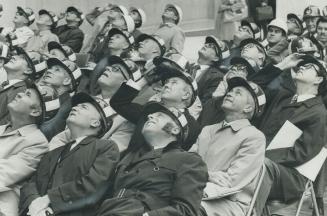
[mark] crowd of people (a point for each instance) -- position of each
(119, 122)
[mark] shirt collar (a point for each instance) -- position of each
(79, 140)
(304, 97)
(204, 67)
(23, 131)
(168, 24)
(236, 125)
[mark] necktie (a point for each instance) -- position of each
(66, 150)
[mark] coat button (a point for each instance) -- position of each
(70, 202)
(126, 171)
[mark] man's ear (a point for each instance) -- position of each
(319, 79)
(248, 108)
(175, 130)
(35, 111)
(67, 81)
(186, 95)
(95, 123)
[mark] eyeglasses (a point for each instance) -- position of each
(116, 69)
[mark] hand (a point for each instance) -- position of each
(290, 61)
(153, 76)
(12, 35)
(39, 204)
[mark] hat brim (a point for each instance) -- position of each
(210, 39)
(246, 23)
(240, 82)
(309, 59)
(253, 41)
(86, 98)
(117, 60)
(42, 12)
(55, 45)
(114, 31)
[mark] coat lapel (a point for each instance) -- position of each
(86, 141)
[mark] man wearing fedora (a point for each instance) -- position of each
(156, 176)
(233, 150)
(169, 30)
(72, 179)
(70, 34)
(21, 32)
(22, 146)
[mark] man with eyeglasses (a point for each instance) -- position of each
(254, 52)
(21, 32)
(207, 71)
(245, 31)
(211, 112)
(305, 109)
(169, 30)
(277, 48)
(70, 34)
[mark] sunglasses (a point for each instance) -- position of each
(116, 69)
(309, 66)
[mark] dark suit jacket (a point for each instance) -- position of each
(70, 36)
(6, 96)
(78, 182)
(309, 116)
(165, 181)
(207, 81)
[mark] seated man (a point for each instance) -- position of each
(233, 150)
(303, 107)
(169, 30)
(156, 177)
(45, 23)
(21, 32)
(113, 75)
(22, 146)
(179, 91)
(207, 71)
(72, 179)
(70, 34)
(245, 31)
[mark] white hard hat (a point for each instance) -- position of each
(141, 13)
(280, 23)
(129, 23)
(179, 11)
(123, 9)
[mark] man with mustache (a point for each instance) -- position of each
(310, 16)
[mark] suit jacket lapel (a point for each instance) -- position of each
(85, 141)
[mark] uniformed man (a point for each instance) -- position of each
(207, 71)
(23, 145)
(320, 38)
(254, 52)
(70, 34)
(112, 76)
(21, 32)
(310, 16)
(46, 22)
(169, 30)
(304, 108)
(233, 150)
(20, 67)
(60, 51)
(156, 176)
(294, 25)
(72, 179)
